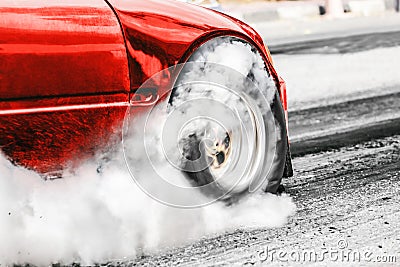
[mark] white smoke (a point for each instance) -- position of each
(239, 58)
(90, 217)
(93, 216)
(233, 74)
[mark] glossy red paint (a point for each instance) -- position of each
(69, 69)
(64, 81)
(160, 34)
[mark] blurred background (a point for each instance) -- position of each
(321, 7)
(341, 62)
(332, 54)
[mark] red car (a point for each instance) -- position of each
(70, 69)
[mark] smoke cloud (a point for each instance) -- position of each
(95, 215)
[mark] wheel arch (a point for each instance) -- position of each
(264, 52)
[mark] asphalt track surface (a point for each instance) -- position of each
(346, 187)
(340, 44)
(349, 195)
(343, 124)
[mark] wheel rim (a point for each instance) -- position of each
(248, 160)
(233, 149)
(227, 153)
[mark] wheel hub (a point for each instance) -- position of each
(219, 151)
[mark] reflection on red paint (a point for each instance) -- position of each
(68, 69)
(63, 71)
(161, 33)
(61, 51)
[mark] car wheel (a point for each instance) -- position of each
(233, 133)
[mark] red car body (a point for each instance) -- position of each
(69, 69)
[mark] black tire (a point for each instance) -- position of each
(195, 150)
(254, 95)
